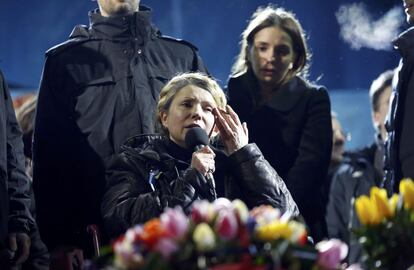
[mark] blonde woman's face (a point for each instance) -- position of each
(191, 107)
(271, 56)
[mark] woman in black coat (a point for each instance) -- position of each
(153, 172)
(288, 117)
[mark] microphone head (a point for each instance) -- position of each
(195, 136)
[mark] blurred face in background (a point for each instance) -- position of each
(271, 56)
(112, 8)
(409, 10)
(338, 141)
(379, 116)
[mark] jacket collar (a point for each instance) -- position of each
(405, 42)
(136, 25)
(288, 95)
(284, 99)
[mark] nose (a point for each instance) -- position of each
(339, 137)
(270, 56)
(196, 111)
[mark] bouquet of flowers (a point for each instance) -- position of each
(387, 231)
(223, 235)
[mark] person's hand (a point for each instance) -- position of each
(203, 160)
(19, 244)
(233, 133)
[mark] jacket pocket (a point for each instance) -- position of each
(158, 80)
(91, 95)
(93, 105)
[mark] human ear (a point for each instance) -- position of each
(376, 116)
(163, 118)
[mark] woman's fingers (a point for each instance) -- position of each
(221, 121)
(233, 115)
(203, 160)
(245, 129)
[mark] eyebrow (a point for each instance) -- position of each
(192, 99)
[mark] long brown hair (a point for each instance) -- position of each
(267, 17)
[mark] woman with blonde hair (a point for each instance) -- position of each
(153, 172)
(288, 117)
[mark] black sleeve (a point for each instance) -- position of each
(20, 219)
(54, 161)
(338, 209)
(259, 182)
(310, 168)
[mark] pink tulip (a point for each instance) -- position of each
(202, 211)
(222, 204)
(226, 224)
(175, 222)
(241, 209)
(331, 253)
(166, 247)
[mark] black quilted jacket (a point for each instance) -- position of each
(152, 173)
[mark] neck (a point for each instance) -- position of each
(268, 90)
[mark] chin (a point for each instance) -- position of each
(410, 18)
(124, 9)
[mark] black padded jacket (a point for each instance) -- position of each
(152, 173)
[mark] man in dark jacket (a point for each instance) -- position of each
(16, 221)
(399, 154)
(359, 171)
(98, 88)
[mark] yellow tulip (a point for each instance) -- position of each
(241, 210)
(380, 200)
(274, 231)
(393, 201)
(204, 237)
(407, 191)
(366, 210)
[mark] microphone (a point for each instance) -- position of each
(196, 138)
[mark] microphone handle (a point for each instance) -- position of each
(210, 179)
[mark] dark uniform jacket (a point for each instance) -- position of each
(14, 183)
(294, 131)
(399, 154)
(152, 173)
(98, 88)
(358, 173)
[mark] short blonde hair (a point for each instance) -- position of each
(170, 90)
(270, 16)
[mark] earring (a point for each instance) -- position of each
(290, 65)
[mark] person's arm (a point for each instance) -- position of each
(57, 173)
(337, 214)
(310, 168)
(260, 183)
(20, 221)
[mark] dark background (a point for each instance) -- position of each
(29, 28)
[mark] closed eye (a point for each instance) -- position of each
(208, 108)
(187, 104)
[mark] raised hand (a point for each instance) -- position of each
(233, 133)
